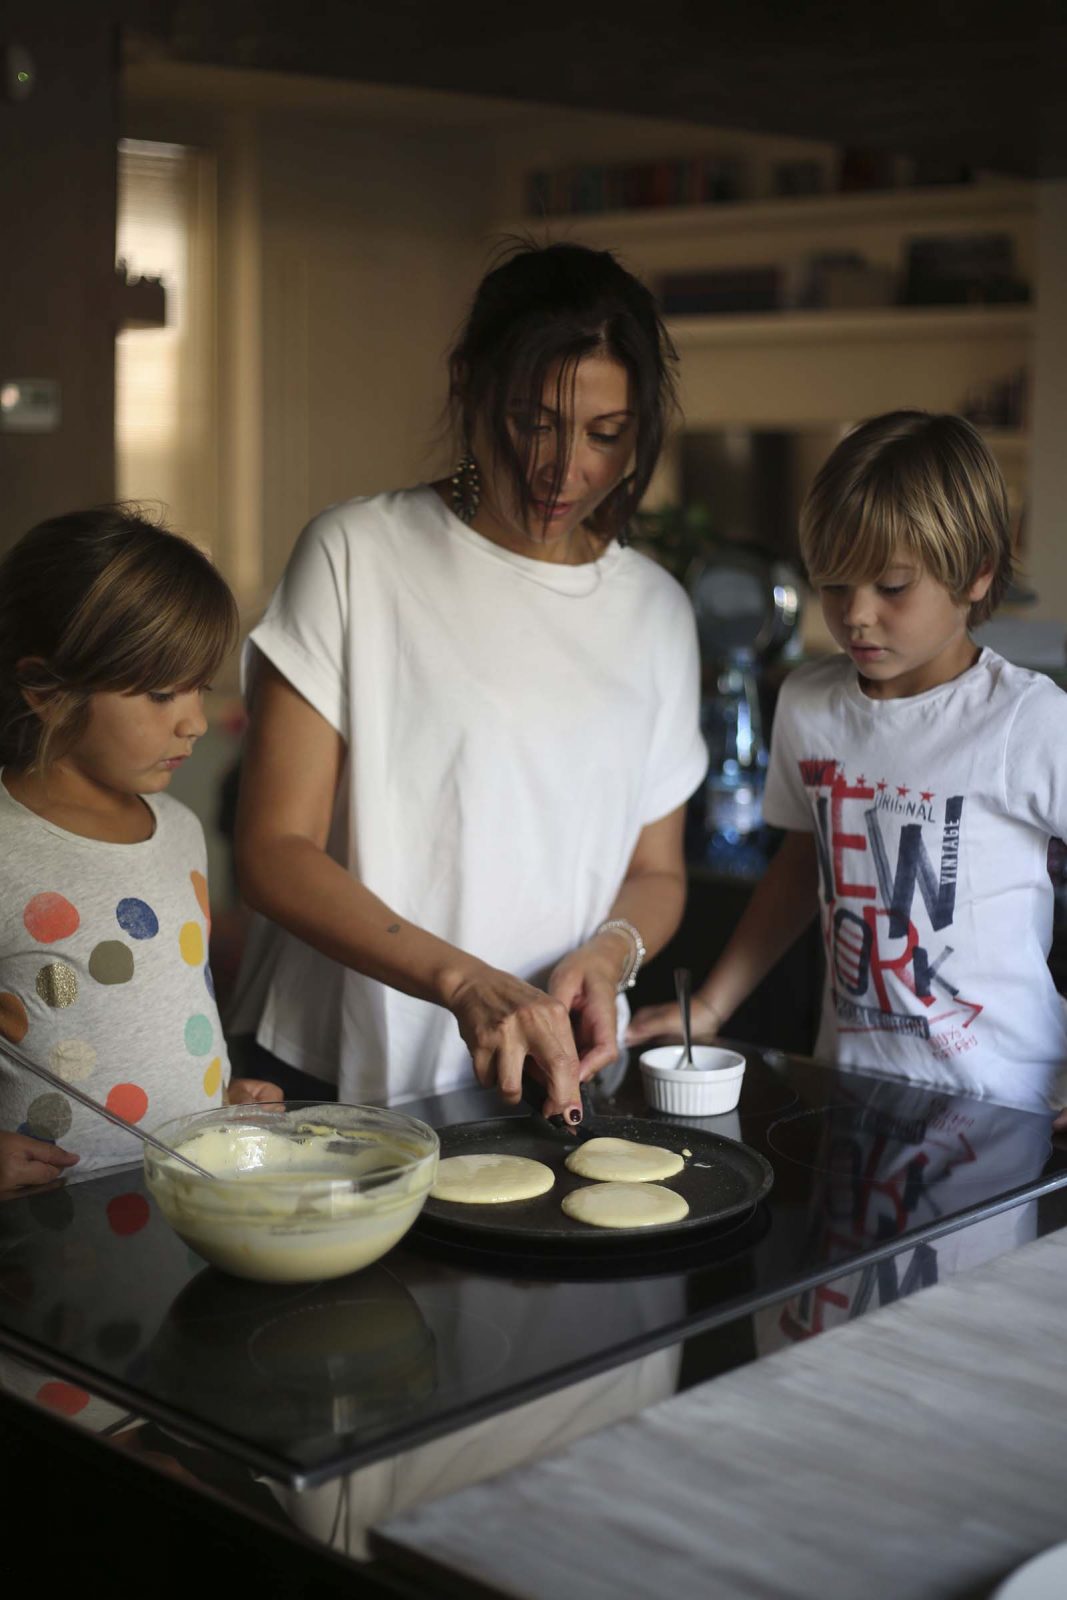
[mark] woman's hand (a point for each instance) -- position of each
(586, 982)
(24, 1160)
(252, 1091)
(503, 1021)
(665, 1022)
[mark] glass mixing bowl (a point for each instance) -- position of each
(299, 1191)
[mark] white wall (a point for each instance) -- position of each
(1046, 533)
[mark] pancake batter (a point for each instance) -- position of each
(491, 1179)
(623, 1161)
(624, 1205)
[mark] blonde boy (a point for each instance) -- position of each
(919, 778)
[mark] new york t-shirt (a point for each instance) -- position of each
(931, 817)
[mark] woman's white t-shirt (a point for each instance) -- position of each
(932, 816)
(511, 726)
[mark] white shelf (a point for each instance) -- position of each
(812, 327)
(950, 204)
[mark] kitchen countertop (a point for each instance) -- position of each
(879, 1188)
(915, 1455)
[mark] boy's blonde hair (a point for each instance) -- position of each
(911, 481)
(100, 600)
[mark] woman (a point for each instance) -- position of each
(475, 724)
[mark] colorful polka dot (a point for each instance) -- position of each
(191, 944)
(128, 1101)
(127, 1214)
(111, 962)
(199, 883)
(57, 985)
(49, 917)
(73, 1060)
(213, 1077)
(137, 918)
(14, 1020)
(199, 1035)
(209, 981)
(48, 1117)
(66, 1398)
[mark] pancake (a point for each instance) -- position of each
(624, 1205)
(489, 1180)
(623, 1161)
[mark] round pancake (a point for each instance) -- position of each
(624, 1205)
(623, 1161)
(488, 1180)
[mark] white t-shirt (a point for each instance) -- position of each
(104, 979)
(932, 816)
(511, 727)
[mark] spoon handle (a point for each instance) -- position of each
(682, 984)
(21, 1059)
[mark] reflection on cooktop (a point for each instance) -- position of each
(324, 1359)
(305, 1381)
(348, 1353)
(904, 1125)
(765, 1094)
(716, 1244)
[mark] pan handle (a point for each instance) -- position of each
(534, 1096)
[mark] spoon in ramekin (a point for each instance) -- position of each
(682, 988)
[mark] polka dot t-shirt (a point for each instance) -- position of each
(104, 979)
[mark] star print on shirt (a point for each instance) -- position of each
(902, 789)
(926, 794)
(882, 786)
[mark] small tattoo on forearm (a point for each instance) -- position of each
(394, 927)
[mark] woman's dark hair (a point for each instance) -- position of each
(546, 306)
(100, 600)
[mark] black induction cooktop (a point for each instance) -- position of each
(878, 1187)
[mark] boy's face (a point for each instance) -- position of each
(904, 631)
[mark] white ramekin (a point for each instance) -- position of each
(710, 1087)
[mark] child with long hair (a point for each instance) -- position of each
(110, 631)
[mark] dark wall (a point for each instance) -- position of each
(57, 205)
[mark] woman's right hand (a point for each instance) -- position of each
(665, 1022)
(24, 1160)
(503, 1021)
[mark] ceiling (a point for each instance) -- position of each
(980, 82)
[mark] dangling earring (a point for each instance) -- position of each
(466, 488)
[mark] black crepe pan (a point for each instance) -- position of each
(720, 1179)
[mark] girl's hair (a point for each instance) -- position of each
(100, 600)
(546, 306)
(913, 481)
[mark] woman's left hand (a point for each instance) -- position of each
(585, 981)
(252, 1091)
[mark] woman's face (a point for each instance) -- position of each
(596, 434)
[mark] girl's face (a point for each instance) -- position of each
(597, 435)
(133, 743)
(905, 632)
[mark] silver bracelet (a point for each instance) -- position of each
(620, 925)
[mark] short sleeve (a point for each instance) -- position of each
(1035, 758)
(785, 800)
(678, 758)
(305, 628)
